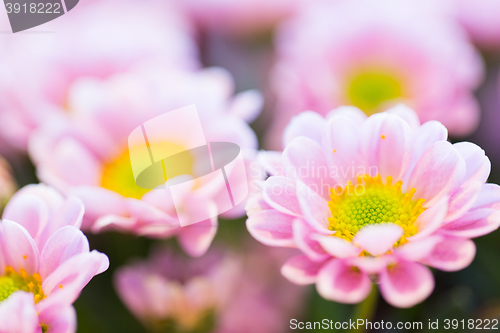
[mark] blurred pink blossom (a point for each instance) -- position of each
(377, 198)
(216, 293)
(97, 40)
(239, 18)
(480, 19)
(86, 154)
(45, 259)
(373, 55)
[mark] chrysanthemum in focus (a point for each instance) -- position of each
(86, 154)
(374, 55)
(45, 261)
(215, 294)
(373, 199)
(98, 41)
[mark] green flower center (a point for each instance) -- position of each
(13, 281)
(370, 90)
(372, 202)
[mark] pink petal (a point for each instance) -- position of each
(303, 160)
(255, 204)
(341, 147)
(405, 284)
(196, 238)
(386, 141)
(431, 219)
(66, 282)
(478, 165)
(271, 228)
(66, 242)
(338, 247)
(314, 208)
(59, 318)
(246, 105)
(301, 270)
(426, 135)
(18, 314)
(161, 198)
(98, 202)
(73, 163)
(48, 194)
(473, 224)
(342, 283)
(70, 213)
(18, 248)
(271, 161)
(308, 124)
(303, 236)
(415, 250)
(451, 254)
(114, 222)
(281, 194)
(438, 173)
(463, 200)
(145, 213)
(28, 210)
(488, 197)
(130, 285)
(407, 114)
(370, 265)
(357, 116)
(377, 239)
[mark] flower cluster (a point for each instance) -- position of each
(365, 190)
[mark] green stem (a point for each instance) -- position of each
(366, 309)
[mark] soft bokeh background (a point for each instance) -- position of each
(240, 36)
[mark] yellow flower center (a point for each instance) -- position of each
(370, 90)
(372, 202)
(13, 281)
(118, 176)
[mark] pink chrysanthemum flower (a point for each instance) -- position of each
(216, 293)
(95, 40)
(377, 198)
(373, 55)
(44, 261)
(87, 154)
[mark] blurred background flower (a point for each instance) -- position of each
(85, 154)
(38, 69)
(373, 55)
(220, 292)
